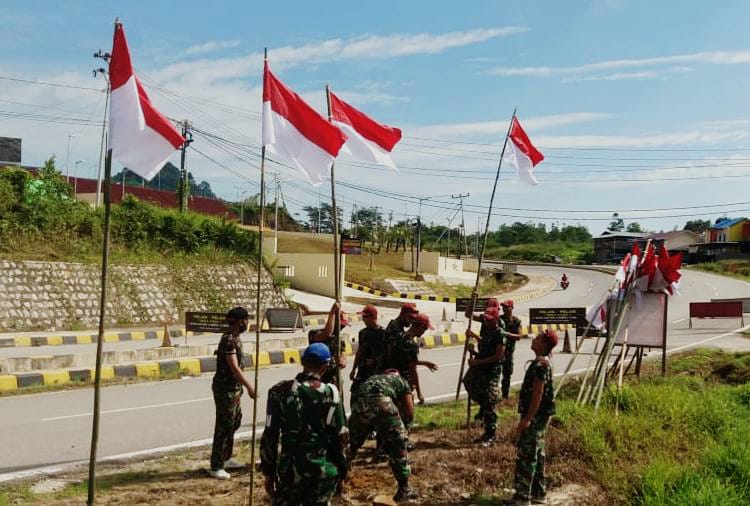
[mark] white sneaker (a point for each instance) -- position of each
(220, 474)
(233, 464)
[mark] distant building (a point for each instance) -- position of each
(674, 241)
(610, 247)
(726, 240)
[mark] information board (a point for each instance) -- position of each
(558, 315)
(206, 322)
(351, 246)
(463, 303)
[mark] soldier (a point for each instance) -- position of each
(512, 330)
(491, 302)
(227, 390)
(403, 352)
(536, 404)
(385, 404)
(308, 416)
(481, 380)
(396, 326)
(369, 358)
(325, 336)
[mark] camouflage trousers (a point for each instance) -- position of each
(381, 414)
(308, 491)
(507, 371)
(482, 387)
(529, 480)
(228, 419)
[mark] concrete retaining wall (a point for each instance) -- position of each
(54, 296)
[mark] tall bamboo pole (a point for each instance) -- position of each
(475, 292)
(100, 336)
(336, 255)
(258, 313)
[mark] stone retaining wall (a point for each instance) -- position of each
(55, 296)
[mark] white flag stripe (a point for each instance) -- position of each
(359, 147)
(285, 141)
(135, 144)
(522, 163)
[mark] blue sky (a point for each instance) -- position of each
(637, 105)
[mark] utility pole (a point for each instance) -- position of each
(462, 230)
(448, 251)
(101, 70)
(276, 215)
(188, 136)
(479, 225)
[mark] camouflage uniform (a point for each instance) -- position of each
(513, 325)
(371, 351)
(481, 381)
(227, 395)
(377, 408)
(308, 416)
(529, 478)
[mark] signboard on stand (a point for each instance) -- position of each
(215, 323)
(351, 246)
(559, 316)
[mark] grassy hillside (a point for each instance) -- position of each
(734, 268)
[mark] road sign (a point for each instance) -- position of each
(463, 303)
(206, 322)
(560, 316)
(351, 246)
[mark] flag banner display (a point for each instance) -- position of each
(367, 140)
(521, 153)
(140, 137)
(294, 132)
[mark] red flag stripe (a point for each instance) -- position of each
(120, 72)
(383, 135)
(305, 119)
(520, 139)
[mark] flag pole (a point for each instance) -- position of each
(475, 292)
(258, 315)
(336, 257)
(91, 492)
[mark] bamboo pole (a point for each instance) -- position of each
(258, 312)
(336, 258)
(91, 499)
(622, 367)
(475, 292)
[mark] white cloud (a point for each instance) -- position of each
(496, 129)
(708, 58)
(372, 47)
(211, 46)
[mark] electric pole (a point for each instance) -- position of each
(184, 185)
(102, 149)
(462, 230)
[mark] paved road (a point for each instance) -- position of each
(54, 428)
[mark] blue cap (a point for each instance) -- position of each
(317, 352)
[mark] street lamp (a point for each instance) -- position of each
(67, 158)
(75, 176)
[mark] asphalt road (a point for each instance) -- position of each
(52, 429)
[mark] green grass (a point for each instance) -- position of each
(676, 440)
(739, 269)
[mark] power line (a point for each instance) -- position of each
(42, 83)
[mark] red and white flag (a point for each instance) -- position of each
(141, 138)
(294, 131)
(522, 154)
(367, 140)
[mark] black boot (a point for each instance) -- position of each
(405, 493)
(486, 439)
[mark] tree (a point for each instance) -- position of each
(168, 179)
(697, 225)
(634, 227)
(617, 224)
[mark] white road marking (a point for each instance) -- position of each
(678, 321)
(135, 408)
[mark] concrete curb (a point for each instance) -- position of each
(399, 295)
(206, 364)
(115, 337)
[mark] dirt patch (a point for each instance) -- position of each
(447, 468)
